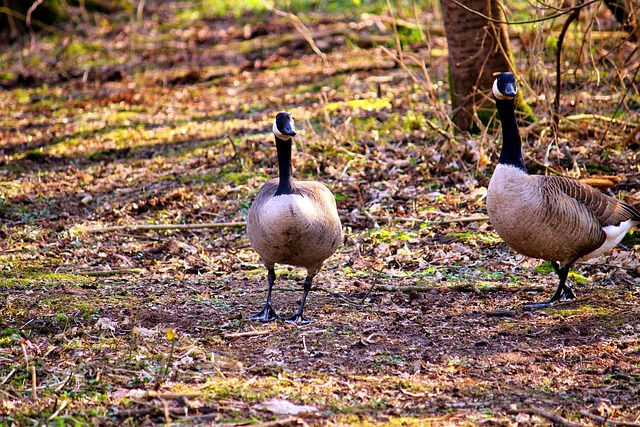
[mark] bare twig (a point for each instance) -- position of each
(554, 418)
(34, 383)
(30, 26)
(12, 23)
(64, 384)
(632, 84)
(528, 21)
(462, 220)
(459, 288)
(57, 412)
(300, 27)
(106, 273)
(426, 221)
(606, 421)
(572, 17)
(632, 136)
(337, 295)
(578, 117)
(165, 227)
(246, 334)
(9, 375)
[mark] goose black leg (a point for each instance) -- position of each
(563, 291)
(268, 313)
(298, 317)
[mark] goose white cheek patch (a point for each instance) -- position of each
(279, 134)
(497, 93)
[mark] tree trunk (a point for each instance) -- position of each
(478, 48)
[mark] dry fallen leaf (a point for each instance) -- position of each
(284, 407)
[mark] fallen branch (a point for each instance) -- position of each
(315, 288)
(462, 219)
(255, 291)
(300, 27)
(632, 136)
(13, 371)
(459, 288)
(287, 422)
(165, 227)
(337, 295)
(246, 334)
(497, 288)
(500, 313)
(106, 273)
(426, 221)
(606, 421)
(554, 418)
(599, 117)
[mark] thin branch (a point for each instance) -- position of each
(300, 27)
(246, 334)
(337, 295)
(633, 82)
(30, 26)
(459, 288)
(530, 21)
(606, 421)
(632, 136)
(165, 227)
(461, 220)
(572, 17)
(554, 418)
(578, 117)
(60, 409)
(107, 273)
(426, 221)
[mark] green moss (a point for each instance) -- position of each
(585, 309)
(368, 104)
(578, 278)
(544, 268)
(632, 239)
(472, 237)
(36, 155)
(388, 235)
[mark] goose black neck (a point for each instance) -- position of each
(511, 153)
(285, 186)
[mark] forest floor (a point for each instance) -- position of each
(164, 118)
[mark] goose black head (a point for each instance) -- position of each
(504, 87)
(284, 127)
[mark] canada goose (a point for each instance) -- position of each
(292, 222)
(554, 218)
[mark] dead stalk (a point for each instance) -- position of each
(606, 421)
(300, 27)
(554, 418)
(34, 46)
(34, 382)
(60, 409)
(107, 273)
(9, 375)
(246, 334)
(146, 227)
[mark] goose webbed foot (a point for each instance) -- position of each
(544, 304)
(267, 314)
(298, 318)
(563, 292)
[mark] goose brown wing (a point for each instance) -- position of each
(606, 209)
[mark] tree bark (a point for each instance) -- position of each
(478, 48)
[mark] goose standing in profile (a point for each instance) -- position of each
(554, 218)
(292, 222)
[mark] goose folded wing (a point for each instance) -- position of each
(606, 210)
